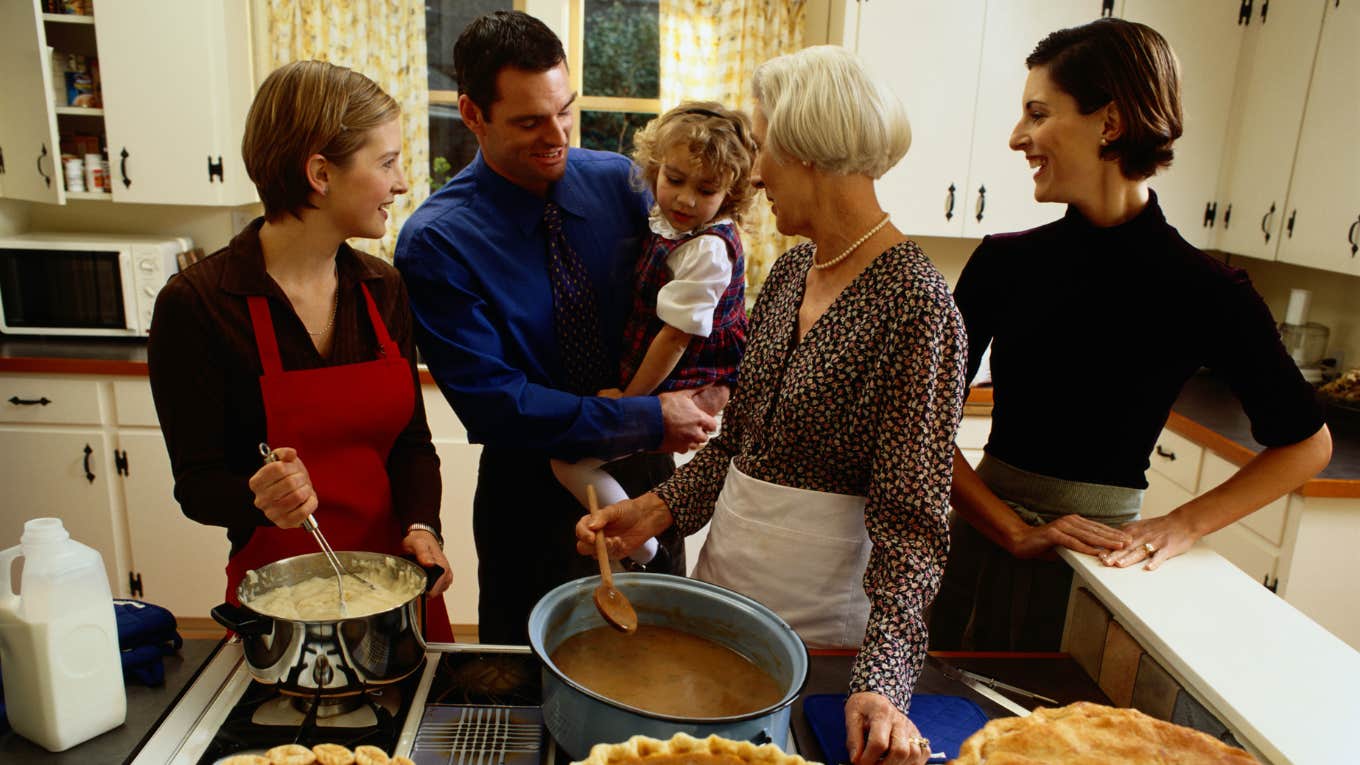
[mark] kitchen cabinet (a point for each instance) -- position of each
(458, 473)
(1298, 547)
(1273, 72)
(1207, 39)
(1322, 228)
(30, 155)
(174, 104)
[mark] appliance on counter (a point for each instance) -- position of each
(467, 703)
(1305, 341)
(83, 284)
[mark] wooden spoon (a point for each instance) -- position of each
(611, 603)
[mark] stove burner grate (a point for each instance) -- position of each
(479, 735)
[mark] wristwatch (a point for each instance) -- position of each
(426, 527)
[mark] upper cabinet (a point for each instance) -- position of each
(1207, 38)
(1272, 88)
(175, 103)
(176, 83)
(30, 157)
(1322, 224)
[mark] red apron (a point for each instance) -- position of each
(342, 420)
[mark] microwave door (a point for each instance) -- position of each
(65, 291)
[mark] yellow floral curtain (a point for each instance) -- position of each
(385, 41)
(709, 50)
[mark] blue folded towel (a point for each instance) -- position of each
(945, 720)
(146, 635)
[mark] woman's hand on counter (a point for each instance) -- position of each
(626, 525)
(875, 730)
(1169, 536)
(1074, 532)
(283, 490)
(425, 547)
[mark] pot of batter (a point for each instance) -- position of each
(295, 635)
(705, 660)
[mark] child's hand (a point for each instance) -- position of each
(610, 393)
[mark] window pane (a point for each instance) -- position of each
(611, 131)
(444, 21)
(451, 144)
(622, 50)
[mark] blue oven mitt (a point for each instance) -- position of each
(945, 720)
(146, 635)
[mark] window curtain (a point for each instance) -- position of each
(385, 41)
(709, 51)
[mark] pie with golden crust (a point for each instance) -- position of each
(683, 749)
(1093, 734)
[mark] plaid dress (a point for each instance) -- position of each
(709, 360)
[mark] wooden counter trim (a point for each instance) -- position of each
(73, 366)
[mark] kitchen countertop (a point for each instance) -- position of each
(145, 706)
(1206, 412)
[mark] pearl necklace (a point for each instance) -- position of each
(853, 245)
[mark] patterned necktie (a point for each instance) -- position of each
(574, 313)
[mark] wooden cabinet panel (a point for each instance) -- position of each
(133, 404)
(1272, 86)
(1178, 458)
(1162, 496)
(48, 400)
(1244, 549)
(28, 127)
(1269, 521)
(1322, 229)
(458, 469)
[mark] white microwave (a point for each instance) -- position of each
(83, 284)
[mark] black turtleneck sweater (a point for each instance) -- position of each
(1095, 330)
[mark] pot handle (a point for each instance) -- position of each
(242, 621)
(432, 574)
(763, 737)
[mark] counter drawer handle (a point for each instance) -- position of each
(1164, 453)
(44, 401)
(89, 476)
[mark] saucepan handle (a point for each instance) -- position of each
(242, 620)
(432, 574)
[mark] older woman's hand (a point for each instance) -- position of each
(283, 490)
(425, 547)
(625, 525)
(875, 730)
(1074, 532)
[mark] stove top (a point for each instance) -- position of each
(467, 704)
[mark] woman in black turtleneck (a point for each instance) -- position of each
(1110, 283)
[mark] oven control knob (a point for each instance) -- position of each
(149, 290)
(149, 266)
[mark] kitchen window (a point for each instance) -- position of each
(613, 52)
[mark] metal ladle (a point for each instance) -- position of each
(309, 524)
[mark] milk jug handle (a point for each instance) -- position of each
(8, 600)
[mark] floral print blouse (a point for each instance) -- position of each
(866, 403)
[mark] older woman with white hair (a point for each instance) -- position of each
(844, 421)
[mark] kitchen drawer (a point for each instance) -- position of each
(444, 424)
(1178, 458)
(49, 400)
(133, 403)
(973, 432)
(1245, 549)
(1268, 521)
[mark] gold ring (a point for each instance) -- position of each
(1151, 549)
(920, 741)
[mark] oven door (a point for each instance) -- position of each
(66, 291)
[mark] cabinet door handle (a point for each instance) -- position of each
(1265, 222)
(122, 167)
(47, 179)
(1227, 216)
(949, 203)
(1289, 224)
(1271, 584)
(1244, 13)
(1350, 236)
(1265, 8)
(215, 169)
(2, 160)
(44, 401)
(1210, 213)
(1164, 453)
(1106, 8)
(981, 202)
(89, 476)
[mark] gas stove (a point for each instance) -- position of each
(467, 703)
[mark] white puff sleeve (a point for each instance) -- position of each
(702, 270)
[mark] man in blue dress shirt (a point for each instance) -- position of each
(475, 261)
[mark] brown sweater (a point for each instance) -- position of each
(205, 372)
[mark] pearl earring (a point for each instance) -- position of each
(1104, 142)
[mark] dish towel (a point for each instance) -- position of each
(146, 635)
(945, 720)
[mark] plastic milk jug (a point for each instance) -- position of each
(59, 640)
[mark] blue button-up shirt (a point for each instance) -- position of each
(474, 257)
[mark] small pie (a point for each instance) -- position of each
(1092, 734)
(371, 755)
(290, 754)
(332, 754)
(246, 759)
(687, 750)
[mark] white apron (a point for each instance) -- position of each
(801, 553)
